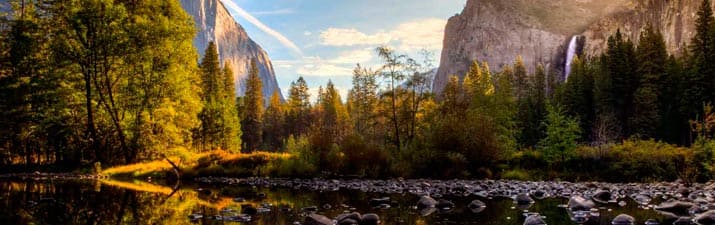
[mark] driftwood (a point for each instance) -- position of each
(176, 168)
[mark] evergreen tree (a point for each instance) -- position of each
(273, 124)
(562, 133)
(363, 99)
(252, 118)
(298, 108)
(578, 95)
(652, 58)
(699, 82)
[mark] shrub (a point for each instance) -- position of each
(516, 174)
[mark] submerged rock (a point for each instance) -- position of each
(623, 219)
(477, 206)
(578, 203)
(426, 202)
(443, 204)
(534, 220)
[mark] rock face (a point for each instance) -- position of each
(497, 31)
(214, 23)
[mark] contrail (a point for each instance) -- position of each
(248, 17)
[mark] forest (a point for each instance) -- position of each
(102, 83)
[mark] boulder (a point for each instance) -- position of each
(370, 219)
(679, 208)
(707, 218)
(315, 219)
(578, 203)
(355, 216)
(426, 202)
(534, 220)
(623, 219)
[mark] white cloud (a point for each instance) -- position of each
(352, 37)
(324, 70)
(275, 34)
(361, 56)
(307, 33)
(273, 12)
(423, 33)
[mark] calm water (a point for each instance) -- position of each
(114, 202)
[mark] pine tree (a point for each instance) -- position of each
(274, 124)
(562, 133)
(699, 82)
(252, 119)
(578, 95)
(652, 58)
(231, 135)
(298, 108)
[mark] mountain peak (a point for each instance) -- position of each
(215, 23)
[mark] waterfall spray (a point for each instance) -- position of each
(570, 54)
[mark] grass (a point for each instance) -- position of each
(214, 163)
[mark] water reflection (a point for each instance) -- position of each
(135, 202)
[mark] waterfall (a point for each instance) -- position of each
(570, 54)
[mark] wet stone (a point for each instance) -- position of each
(623, 219)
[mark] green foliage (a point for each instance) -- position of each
(274, 124)
(562, 133)
(703, 159)
(252, 118)
(516, 174)
(219, 119)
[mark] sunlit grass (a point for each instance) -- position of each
(195, 164)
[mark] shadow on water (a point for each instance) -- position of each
(136, 202)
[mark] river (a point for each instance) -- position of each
(142, 202)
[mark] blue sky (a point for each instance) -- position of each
(325, 39)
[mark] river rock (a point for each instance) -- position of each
(676, 207)
(707, 218)
(602, 196)
(426, 202)
(315, 219)
(623, 219)
(523, 199)
(534, 220)
(443, 204)
(355, 216)
(683, 221)
(477, 206)
(578, 203)
(370, 219)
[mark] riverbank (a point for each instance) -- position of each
(38, 176)
(215, 163)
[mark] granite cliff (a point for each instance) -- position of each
(497, 31)
(215, 23)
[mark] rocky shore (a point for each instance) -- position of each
(51, 176)
(689, 204)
